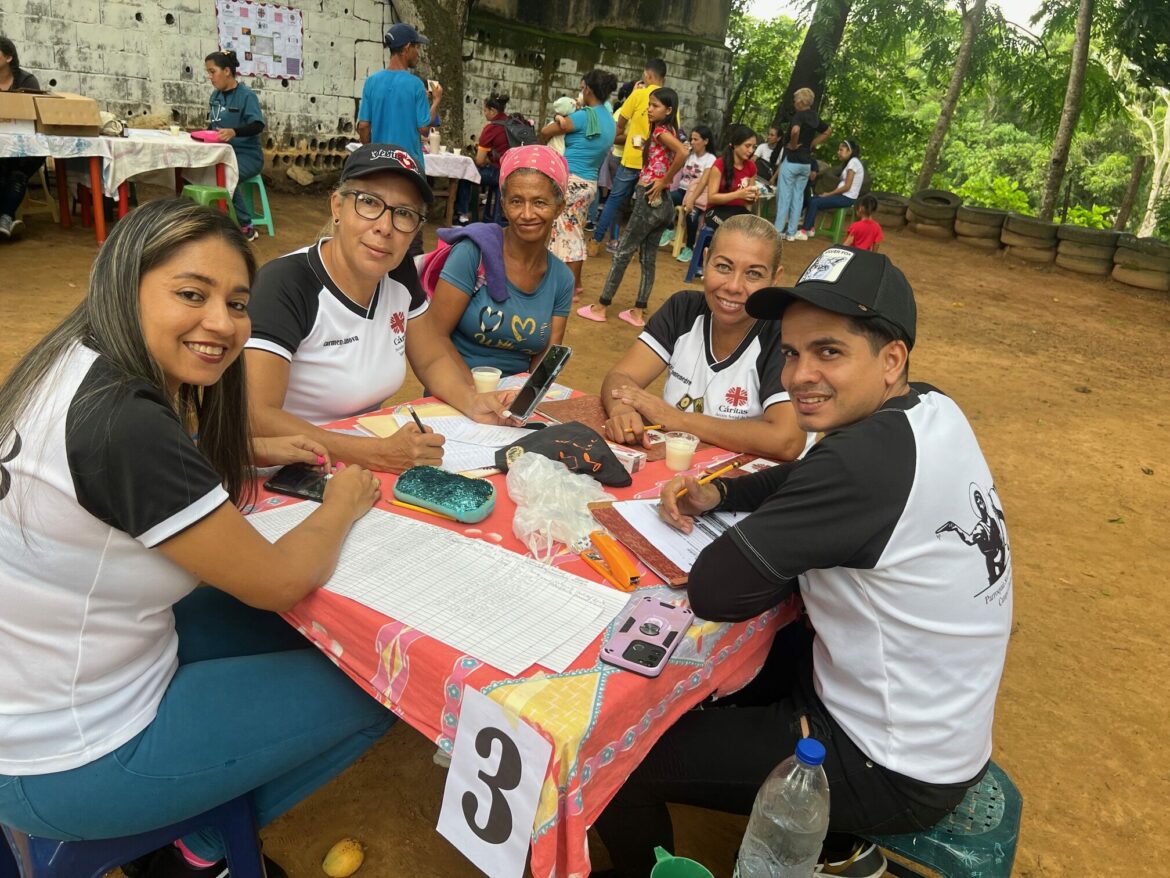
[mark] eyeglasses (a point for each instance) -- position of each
(371, 207)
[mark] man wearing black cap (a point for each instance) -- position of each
(911, 625)
(394, 107)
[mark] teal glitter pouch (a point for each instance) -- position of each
(464, 499)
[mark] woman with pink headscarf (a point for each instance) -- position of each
(509, 328)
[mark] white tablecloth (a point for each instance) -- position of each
(448, 164)
(126, 157)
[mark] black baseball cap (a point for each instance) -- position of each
(845, 280)
(401, 35)
(386, 158)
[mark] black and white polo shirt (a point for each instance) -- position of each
(896, 534)
(740, 386)
(344, 358)
(97, 472)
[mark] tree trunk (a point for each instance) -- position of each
(972, 21)
(729, 107)
(1158, 180)
(1131, 191)
(816, 53)
(1071, 111)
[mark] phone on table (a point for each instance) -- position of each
(298, 480)
(645, 639)
(540, 381)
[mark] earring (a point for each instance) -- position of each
(336, 221)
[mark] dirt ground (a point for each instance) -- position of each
(1067, 382)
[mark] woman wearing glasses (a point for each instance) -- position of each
(330, 323)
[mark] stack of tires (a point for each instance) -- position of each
(1029, 239)
(891, 210)
(979, 227)
(932, 213)
(1088, 251)
(1142, 262)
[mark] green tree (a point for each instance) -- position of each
(1070, 112)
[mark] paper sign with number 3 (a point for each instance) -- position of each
(493, 786)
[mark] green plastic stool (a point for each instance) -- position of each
(255, 186)
(209, 195)
(837, 228)
(976, 839)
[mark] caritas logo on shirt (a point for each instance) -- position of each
(736, 399)
(398, 323)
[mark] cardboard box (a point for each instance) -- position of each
(68, 114)
(18, 113)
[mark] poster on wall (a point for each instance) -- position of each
(266, 37)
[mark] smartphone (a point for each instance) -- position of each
(540, 381)
(298, 480)
(645, 639)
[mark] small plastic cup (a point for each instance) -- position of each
(680, 448)
(176, 131)
(486, 378)
(637, 141)
(443, 148)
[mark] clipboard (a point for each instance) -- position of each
(647, 552)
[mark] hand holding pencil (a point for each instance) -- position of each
(684, 497)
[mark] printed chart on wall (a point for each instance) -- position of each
(267, 38)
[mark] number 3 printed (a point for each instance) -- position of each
(498, 826)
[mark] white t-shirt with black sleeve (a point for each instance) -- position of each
(98, 472)
(344, 358)
(893, 528)
(741, 386)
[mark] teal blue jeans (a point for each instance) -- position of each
(253, 708)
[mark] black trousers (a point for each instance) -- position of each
(14, 177)
(717, 756)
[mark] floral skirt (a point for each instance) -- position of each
(568, 236)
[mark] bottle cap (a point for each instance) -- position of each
(810, 751)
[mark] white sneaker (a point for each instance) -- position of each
(801, 235)
(812, 233)
(5, 226)
(790, 237)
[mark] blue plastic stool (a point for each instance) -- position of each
(976, 839)
(255, 186)
(704, 238)
(836, 226)
(27, 856)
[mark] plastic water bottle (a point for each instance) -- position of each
(789, 818)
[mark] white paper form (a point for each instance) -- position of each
(679, 547)
(461, 429)
(500, 607)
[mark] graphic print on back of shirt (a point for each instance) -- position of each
(988, 534)
(8, 457)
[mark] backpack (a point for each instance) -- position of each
(519, 131)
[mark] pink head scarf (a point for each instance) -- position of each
(539, 158)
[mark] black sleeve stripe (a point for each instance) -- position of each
(284, 302)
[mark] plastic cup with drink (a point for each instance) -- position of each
(680, 448)
(486, 378)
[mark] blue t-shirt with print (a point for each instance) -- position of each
(233, 109)
(586, 154)
(505, 334)
(395, 104)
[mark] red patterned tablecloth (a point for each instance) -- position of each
(601, 720)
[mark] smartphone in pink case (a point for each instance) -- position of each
(647, 636)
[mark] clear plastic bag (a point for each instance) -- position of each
(551, 504)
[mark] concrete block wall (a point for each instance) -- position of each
(536, 68)
(147, 58)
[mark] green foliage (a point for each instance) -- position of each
(762, 55)
(983, 190)
(1095, 217)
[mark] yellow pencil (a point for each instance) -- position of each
(421, 509)
(648, 427)
(711, 476)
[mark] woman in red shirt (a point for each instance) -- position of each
(731, 185)
(493, 143)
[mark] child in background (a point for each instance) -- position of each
(562, 106)
(865, 234)
(662, 158)
(691, 185)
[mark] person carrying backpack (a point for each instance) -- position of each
(501, 133)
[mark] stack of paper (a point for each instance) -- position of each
(469, 445)
(505, 609)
